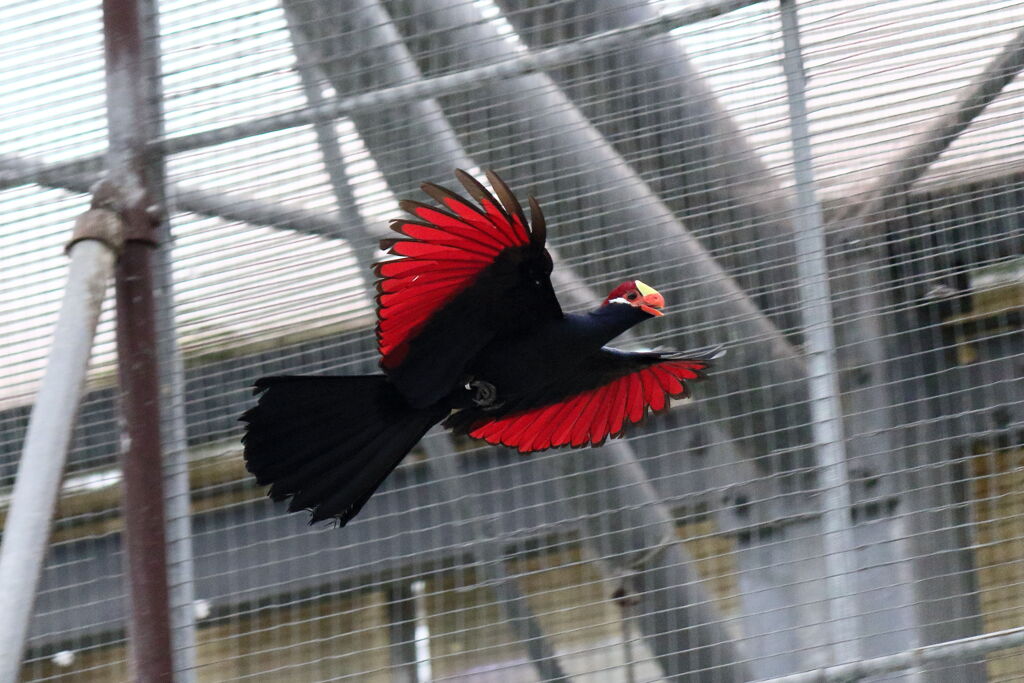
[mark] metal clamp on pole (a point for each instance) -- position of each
(93, 248)
(101, 222)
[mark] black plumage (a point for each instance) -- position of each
(471, 333)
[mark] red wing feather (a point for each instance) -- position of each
(442, 254)
(594, 415)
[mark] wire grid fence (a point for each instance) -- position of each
(833, 190)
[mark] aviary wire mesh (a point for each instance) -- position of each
(834, 189)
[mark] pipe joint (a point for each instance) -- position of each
(111, 217)
(98, 224)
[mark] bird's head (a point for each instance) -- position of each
(638, 295)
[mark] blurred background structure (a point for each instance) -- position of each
(834, 189)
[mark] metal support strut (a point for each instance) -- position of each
(93, 248)
(144, 535)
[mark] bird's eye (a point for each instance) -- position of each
(631, 296)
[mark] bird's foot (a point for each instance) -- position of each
(485, 394)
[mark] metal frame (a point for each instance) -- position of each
(131, 172)
(820, 344)
(503, 70)
(407, 93)
(174, 434)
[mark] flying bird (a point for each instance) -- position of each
(470, 333)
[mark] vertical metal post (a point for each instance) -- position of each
(490, 558)
(27, 529)
(144, 539)
(823, 377)
(174, 437)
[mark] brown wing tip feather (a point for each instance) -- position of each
(505, 194)
(538, 224)
(473, 186)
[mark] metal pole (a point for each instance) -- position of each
(143, 538)
(962, 649)
(490, 558)
(174, 435)
(327, 139)
(27, 530)
(823, 378)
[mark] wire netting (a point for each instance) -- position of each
(832, 189)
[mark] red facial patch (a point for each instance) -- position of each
(621, 291)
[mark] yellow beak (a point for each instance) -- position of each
(651, 301)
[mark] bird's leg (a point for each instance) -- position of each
(485, 394)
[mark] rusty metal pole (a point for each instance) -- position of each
(143, 538)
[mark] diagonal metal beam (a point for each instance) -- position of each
(327, 140)
(679, 139)
(927, 146)
(532, 132)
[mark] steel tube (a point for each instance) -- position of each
(174, 436)
(927, 146)
(27, 529)
(959, 650)
(144, 535)
(819, 341)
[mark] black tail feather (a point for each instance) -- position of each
(329, 442)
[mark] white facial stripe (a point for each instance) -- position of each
(620, 300)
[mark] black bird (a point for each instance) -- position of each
(470, 332)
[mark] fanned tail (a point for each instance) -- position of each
(329, 442)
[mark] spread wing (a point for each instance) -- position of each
(464, 274)
(617, 389)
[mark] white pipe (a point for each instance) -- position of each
(959, 650)
(40, 471)
(820, 343)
